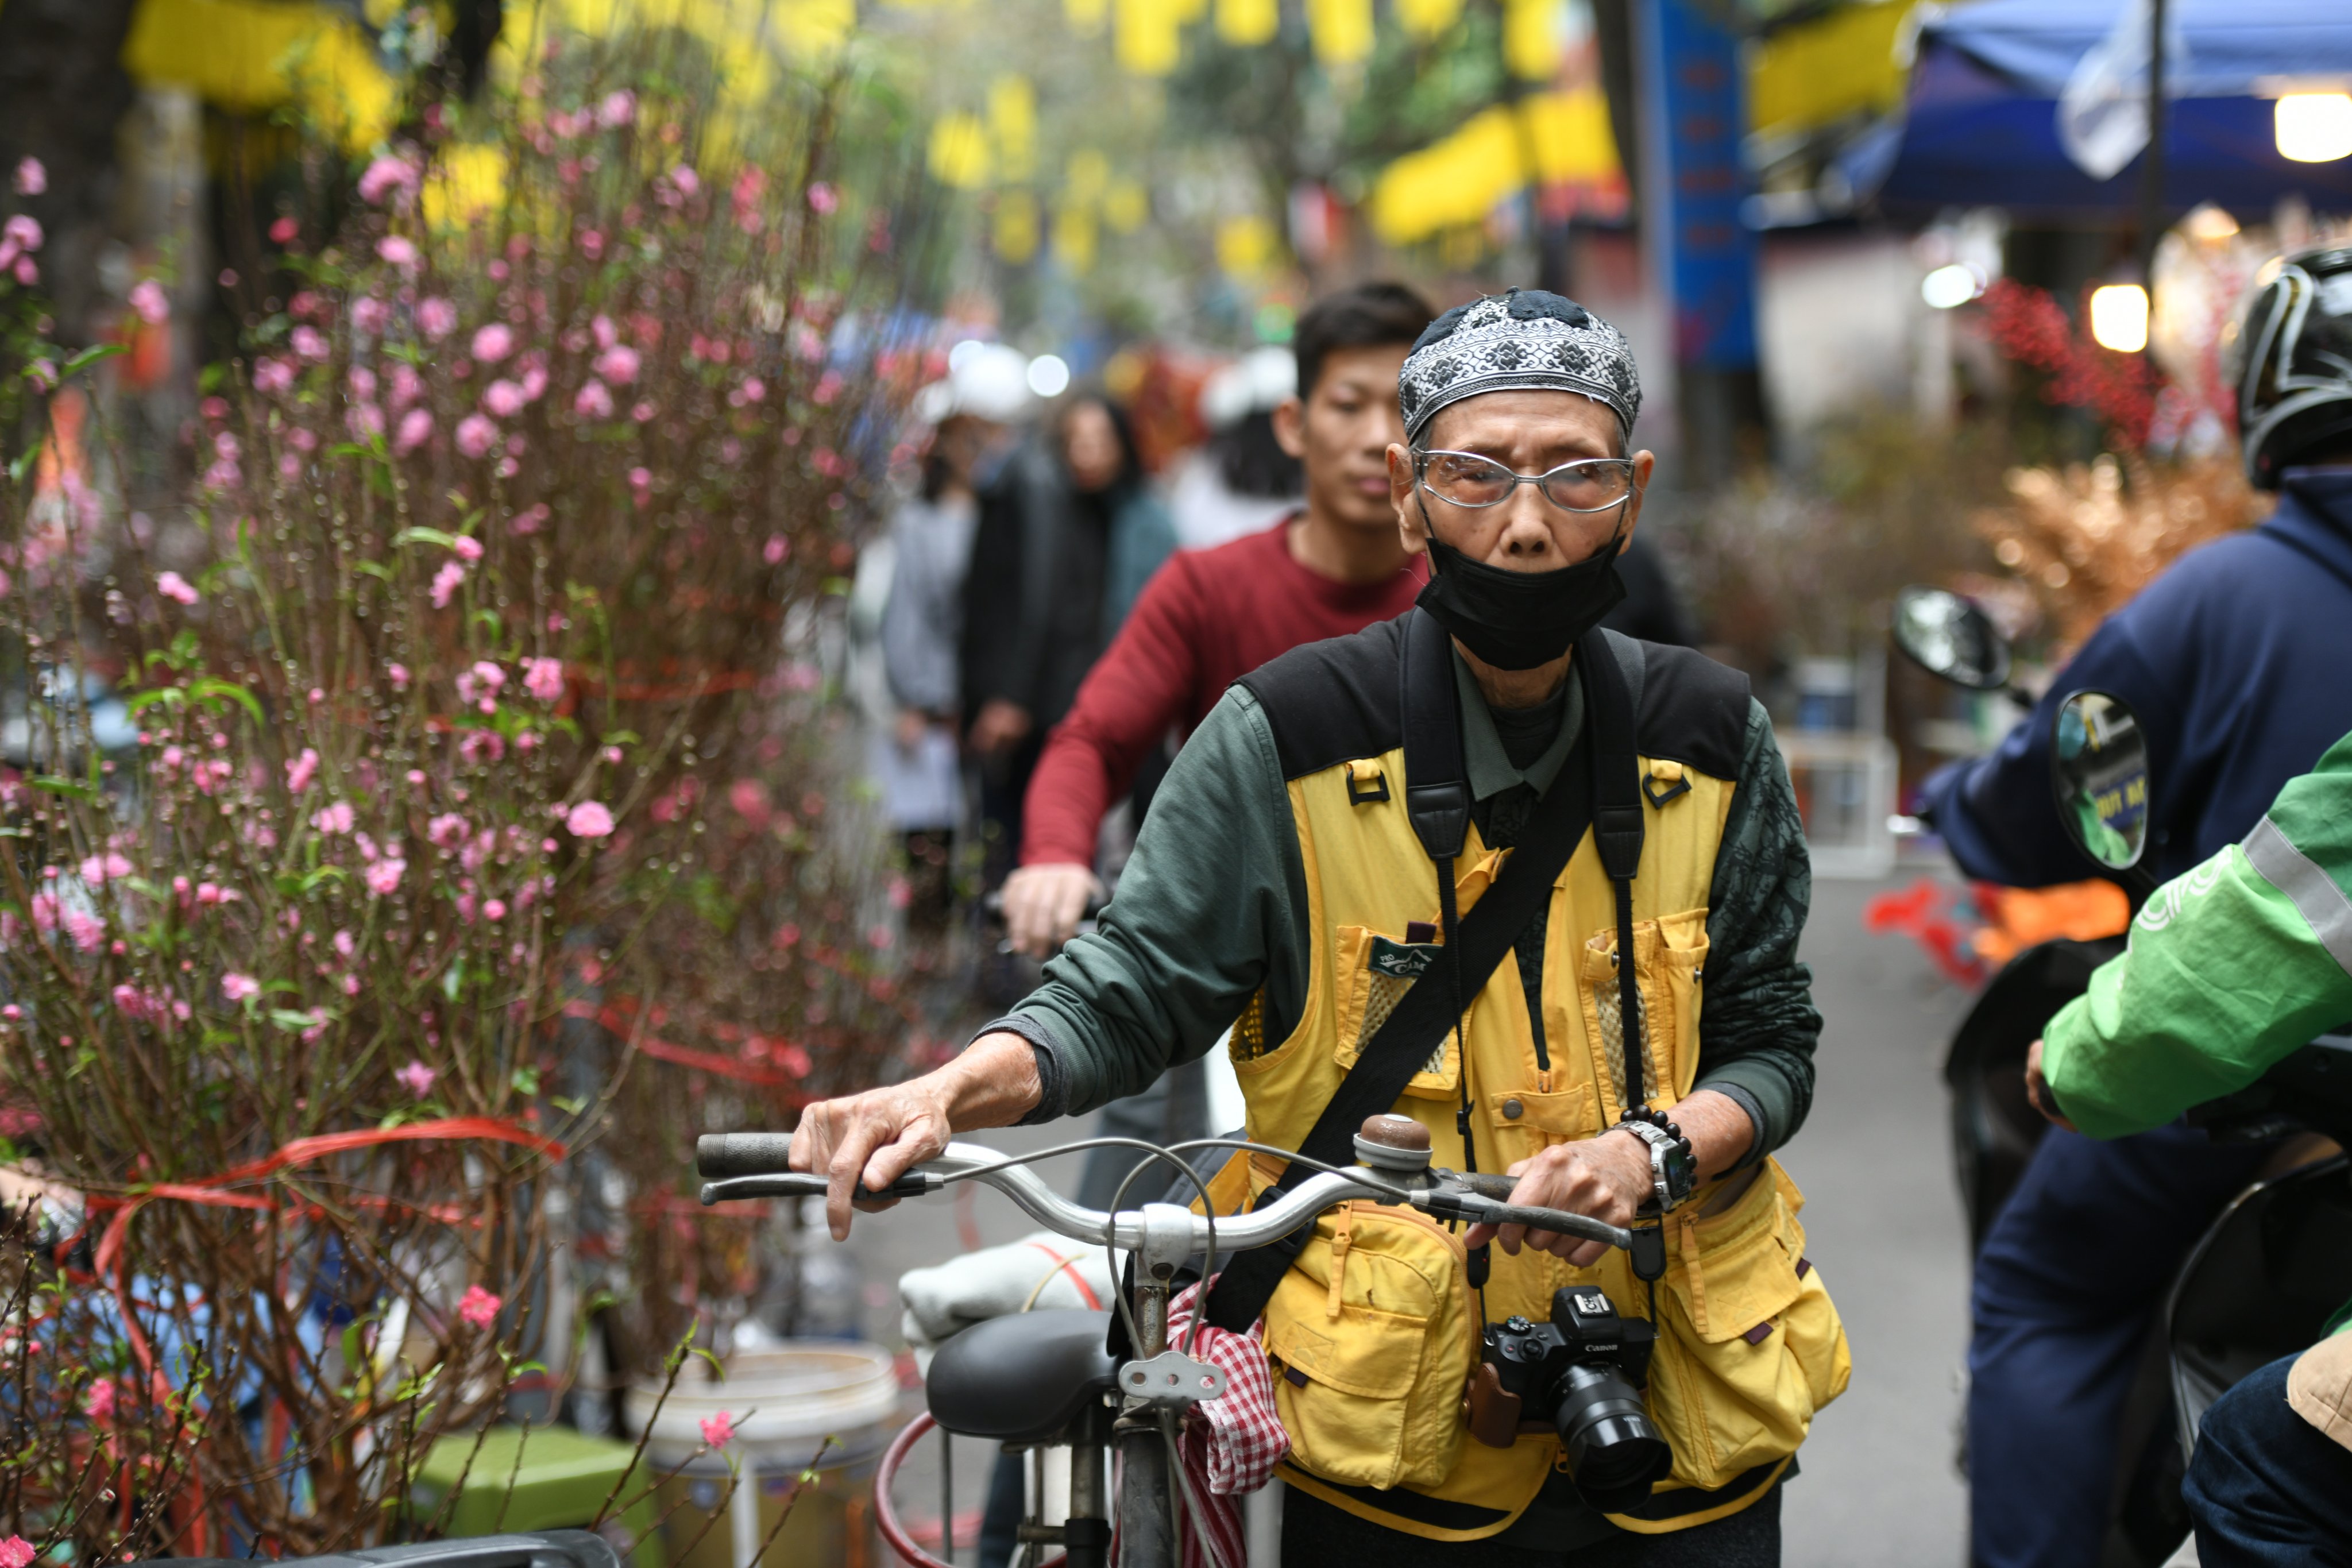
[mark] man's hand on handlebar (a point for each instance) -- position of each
(1044, 903)
(1607, 1178)
(873, 1139)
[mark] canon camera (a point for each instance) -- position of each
(1582, 1373)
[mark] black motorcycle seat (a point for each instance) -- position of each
(1022, 1378)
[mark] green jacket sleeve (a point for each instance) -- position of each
(1757, 1023)
(1211, 905)
(2230, 967)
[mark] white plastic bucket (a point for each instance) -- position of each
(783, 1404)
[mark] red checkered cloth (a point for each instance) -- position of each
(1230, 1444)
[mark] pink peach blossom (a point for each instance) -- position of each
(718, 1430)
(417, 1079)
(172, 585)
(415, 430)
(543, 678)
(386, 178)
(503, 398)
(445, 583)
(436, 318)
(301, 771)
(17, 1552)
(477, 435)
(334, 820)
(822, 199)
(383, 875)
(618, 365)
(595, 402)
(31, 179)
(617, 109)
(154, 305)
(239, 987)
(311, 345)
(399, 251)
(590, 819)
(493, 342)
(468, 547)
(371, 315)
(98, 1402)
(273, 376)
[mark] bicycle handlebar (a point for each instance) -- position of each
(753, 1165)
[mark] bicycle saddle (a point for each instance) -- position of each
(1022, 1378)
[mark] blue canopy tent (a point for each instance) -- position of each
(1980, 125)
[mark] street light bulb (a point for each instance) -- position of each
(2315, 127)
(2120, 318)
(1949, 287)
(1048, 375)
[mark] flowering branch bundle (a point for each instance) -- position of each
(513, 528)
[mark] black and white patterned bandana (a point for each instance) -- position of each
(1525, 339)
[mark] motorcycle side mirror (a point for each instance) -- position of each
(2098, 764)
(1946, 636)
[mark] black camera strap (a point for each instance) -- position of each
(1437, 802)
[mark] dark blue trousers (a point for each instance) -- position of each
(2268, 1490)
(2068, 1285)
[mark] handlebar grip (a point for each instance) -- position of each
(1487, 1184)
(744, 1155)
(811, 1185)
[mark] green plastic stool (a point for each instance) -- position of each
(565, 1478)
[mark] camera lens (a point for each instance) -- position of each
(1614, 1453)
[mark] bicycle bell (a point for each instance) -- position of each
(1390, 1143)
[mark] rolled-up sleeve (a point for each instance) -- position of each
(1757, 1025)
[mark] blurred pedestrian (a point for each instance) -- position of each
(915, 761)
(1334, 566)
(1067, 536)
(1243, 479)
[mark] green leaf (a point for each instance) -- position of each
(373, 569)
(293, 1023)
(525, 1080)
(425, 536)
(454, 980)
(568, 1104)
(209, 379)
(23, 465)
(149, 698)
(91, 356)
(212, 686)
(73, 789)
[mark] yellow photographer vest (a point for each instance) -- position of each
(1373, 1332)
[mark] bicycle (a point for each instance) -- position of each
(1048, 1378)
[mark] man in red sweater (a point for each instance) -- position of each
(1208, 616)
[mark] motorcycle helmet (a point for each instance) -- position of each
(2291, 361)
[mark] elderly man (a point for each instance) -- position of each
(1365, 817)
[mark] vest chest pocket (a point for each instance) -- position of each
(1749, 1343)
(1669, 960)
(1371, 1340)
(1373, 973)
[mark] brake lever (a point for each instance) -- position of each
(809, 1184)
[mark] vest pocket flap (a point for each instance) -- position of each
(1564, 1112)
(1733, 1273)
(1374, 1355)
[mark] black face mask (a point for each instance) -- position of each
(1517, 620)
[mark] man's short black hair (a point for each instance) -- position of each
(1368, 316)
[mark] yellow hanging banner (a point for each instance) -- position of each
(1126, 206)
(1458, 180)
(1145, 36)
(1531, 40)
(1243, 23)
(1245, 247)
(1013, 126)
(1017, 226)
(1340, 30)
(1074, 239)
(1427, 19)
(959, 152)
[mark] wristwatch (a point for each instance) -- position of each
(1674, 1169)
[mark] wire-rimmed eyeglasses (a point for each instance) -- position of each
(1465, 479)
